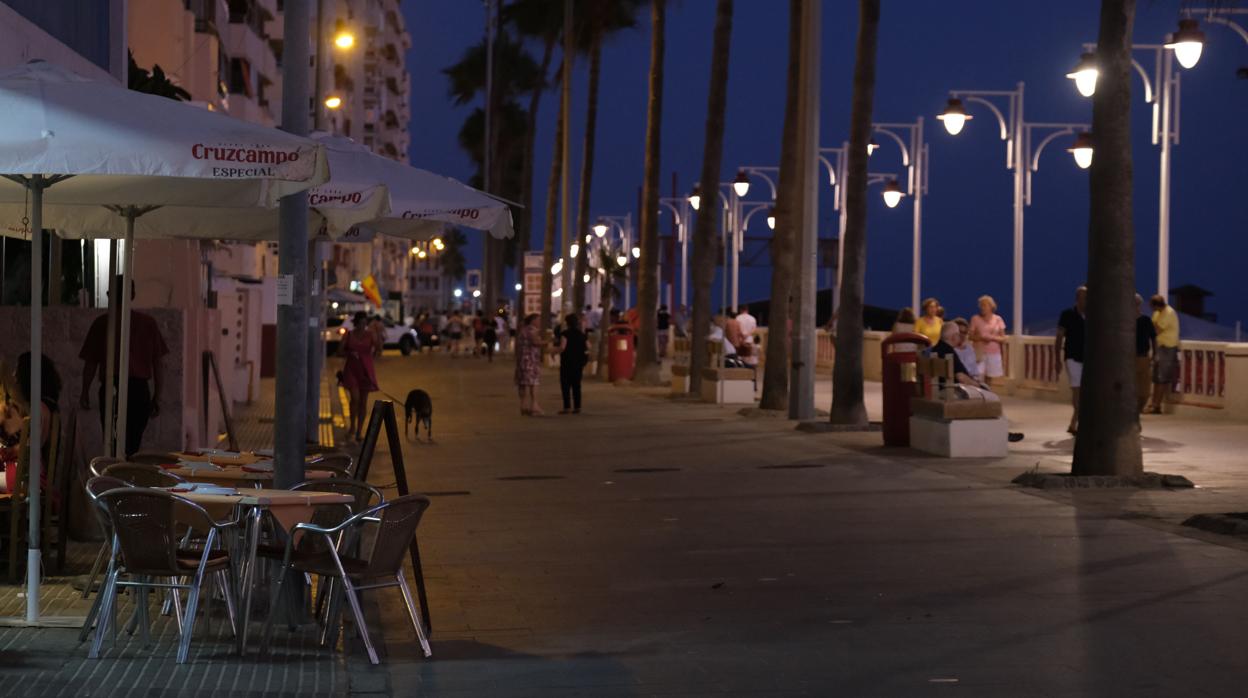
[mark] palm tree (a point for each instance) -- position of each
(154, 82)
(704, 243)
(604, 17)
(647, 371)
(847, 392)
(552, 218)
(783, 256)
(1109, 433)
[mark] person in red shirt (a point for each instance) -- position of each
(147, 351)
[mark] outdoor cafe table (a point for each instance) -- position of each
(285, 506)
(237, 476)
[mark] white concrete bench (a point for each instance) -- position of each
(728, 386)
(955, 428)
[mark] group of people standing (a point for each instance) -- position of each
(977, 343)
(572, 345)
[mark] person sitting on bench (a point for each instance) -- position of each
(950, 339)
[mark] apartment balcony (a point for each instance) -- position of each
(210, 15)
(241, 41)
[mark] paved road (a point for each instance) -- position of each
(656, 547)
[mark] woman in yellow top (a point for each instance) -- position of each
(930, 322)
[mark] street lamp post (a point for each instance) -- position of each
(624, 226)
(914, 159)
(741, 219)
(1162, 90)
(836, 178)
(1018, 135)
(679, 206)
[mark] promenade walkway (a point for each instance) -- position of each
(659, 547)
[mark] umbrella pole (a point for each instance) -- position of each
(108, 378)
(35, 443)
(123, 358)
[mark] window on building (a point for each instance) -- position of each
(240, 77)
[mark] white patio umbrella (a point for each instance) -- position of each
(72, 147)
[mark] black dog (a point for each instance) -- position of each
(419, 406)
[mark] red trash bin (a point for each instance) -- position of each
(899, 351)
(621, 352)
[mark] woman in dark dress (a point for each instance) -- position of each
(573, 354)
(358, 376)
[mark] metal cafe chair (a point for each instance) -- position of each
(95, 487)
(143, 475)
(145, 534)
(153, 457)
(337, 462)
(99, 463)
(396, 522)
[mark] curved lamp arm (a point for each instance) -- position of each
(1005, 129)
(1215, 19)
(1062, 131)
(762, 172)
(905, 151)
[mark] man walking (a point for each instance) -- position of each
(147, 351)
(1145, 342)
(1166, 355)
(1069, 346)
(663, 325)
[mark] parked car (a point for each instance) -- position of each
(398, 336)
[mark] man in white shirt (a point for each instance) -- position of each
(593, 317)
(747, 322)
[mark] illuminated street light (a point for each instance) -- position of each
(600, 228)
(585, 278)
(459, 292)
(872, 146)
(415, 250)
(519, 287)
(892, 194)
(476, 293)
(333, 102)
(622, 260)
(588, 238)
(1082, 150)
(556, 267)
(771, 218)
(1187, 42)
(954, 116)
(556, 293)
(695, 197)
(438, 244)
(344, 40)
(636, 253)
(421, 254)
(573, 249)
(1084, 74)
(741, 184)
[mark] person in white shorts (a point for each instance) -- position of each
(988, 335)
(1069, 346)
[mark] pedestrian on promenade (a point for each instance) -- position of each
(573, 355)
(454, 332)
(747, 322)
(1145, 343)
(489, 336)
(1068, 345)
(663, 324)
(930, 322)
(529, 365)
(147, 352)
(988, 336)
(964, 349)
(502, 332)
(1166, 355)
(358, 376)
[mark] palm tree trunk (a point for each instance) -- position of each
(704, 242)
(552, 219)
(788, 219)
(587, 168)
(1109, 432)
(647, 372)
(847, 392)
(526, 179)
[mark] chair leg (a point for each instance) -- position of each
(268, 619)
(176, 602)
(192, 606)
(109, 595)
(350, 592)
(223, 582)
(143, 616)
(105, 548)
(412, 613)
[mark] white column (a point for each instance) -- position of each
(1163, 196)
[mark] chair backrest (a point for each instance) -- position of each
(366, 496)
(932, 367)
(399, 519)
(341, 464)
(99, 463)
(146, 528)
(143, 475)
(153, 458)
(97, 486)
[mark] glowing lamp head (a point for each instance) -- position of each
(771, 218)
(557, 267)
(621, 260)
(1084, 74)
(1082, 150)
(588, 238)
(1187, 42)
(333, 102)
(892, 194)
(344, 40)
(519, 287)
(741, 183)
(438, 244)
(459, 292)
(636, 253)
(573, 250)
(600, 228)
(695, 197)
(476, 293)
(415, 250)
(954, 116)
(585, 278)
(872, 146)
(421, 254)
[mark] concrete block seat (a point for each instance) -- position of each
(728, 386)
(956, 428)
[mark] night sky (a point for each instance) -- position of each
(926, 48)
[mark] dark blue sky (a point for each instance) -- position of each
(926, 48)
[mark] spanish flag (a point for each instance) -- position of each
(371, 292)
